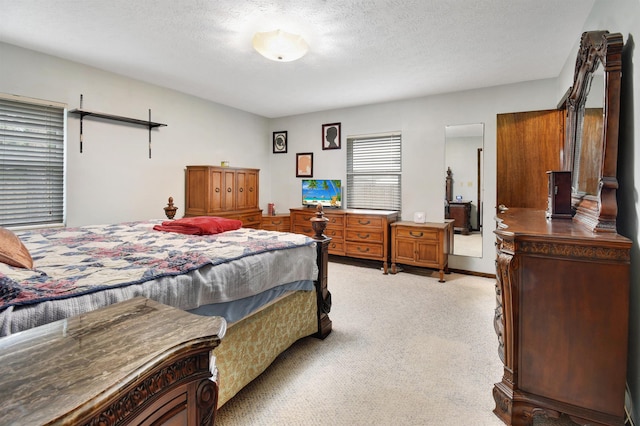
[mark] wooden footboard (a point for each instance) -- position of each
(253, 343)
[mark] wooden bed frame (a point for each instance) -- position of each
(248, 347)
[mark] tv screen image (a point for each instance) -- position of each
(327, 192)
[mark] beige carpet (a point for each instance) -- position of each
(405, 350)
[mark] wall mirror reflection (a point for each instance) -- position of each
(463, 186)
(589, 142)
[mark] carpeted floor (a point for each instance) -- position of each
(405, 350)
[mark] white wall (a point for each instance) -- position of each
(114, 180)
(422, 122)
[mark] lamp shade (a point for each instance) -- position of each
(280, 46)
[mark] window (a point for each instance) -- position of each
(374, 171)
(32, 135)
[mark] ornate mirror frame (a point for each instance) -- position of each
(597, 209)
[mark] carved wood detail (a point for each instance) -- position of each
(158, 382)
(574, 251)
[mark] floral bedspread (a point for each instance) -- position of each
(74, 261)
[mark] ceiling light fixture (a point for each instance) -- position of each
(280, 46)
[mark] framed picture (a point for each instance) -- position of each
(304, 164)
(331, 136)
(280, 142)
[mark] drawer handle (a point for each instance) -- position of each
(363, 250)
(277, 223)
(228, 189)
(364, 237)
(416, 234)
(241, 189)
(332, 232)
(364, 222)
(217, 189)
(251, 189)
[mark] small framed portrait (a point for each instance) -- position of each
(331, 136)
(280, 142)
(304, 164)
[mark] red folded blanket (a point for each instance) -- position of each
(199, 225)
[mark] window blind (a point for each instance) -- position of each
(374, 171)
(31, 162)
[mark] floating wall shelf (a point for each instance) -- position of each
(85, 113)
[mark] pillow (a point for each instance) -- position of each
(12, 251)
(200, 225)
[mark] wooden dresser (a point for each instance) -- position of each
(135, 362)
(223, 191)
(460, 212)
(562, 317)
(421, 244)
(358, 233)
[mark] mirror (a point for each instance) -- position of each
(464, 145)
(591, 145)
(589, 138)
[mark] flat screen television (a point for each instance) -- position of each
(327, 192)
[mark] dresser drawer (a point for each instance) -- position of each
(302, 218)
(280, 223)
(418, 233)
(336, 247)
(307, 229)
(304, 228)
(335, 220)
(336, 234)
(364, 250)
(251, 220)
(370, 221)
(365, 236)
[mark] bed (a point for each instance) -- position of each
(270, 286)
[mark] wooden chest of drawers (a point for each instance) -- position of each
(223, 191)
(133, 362)
(561, 319)
(279, 222)
(355, 233)
(421, 244)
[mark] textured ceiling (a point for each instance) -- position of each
(361, 51)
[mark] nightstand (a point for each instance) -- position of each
(421, 244)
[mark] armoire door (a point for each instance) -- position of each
(528, 145)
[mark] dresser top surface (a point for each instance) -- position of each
(58, 368)
(437, 225)
(349, 211)
(522, 222)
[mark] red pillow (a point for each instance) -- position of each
(200, 225)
